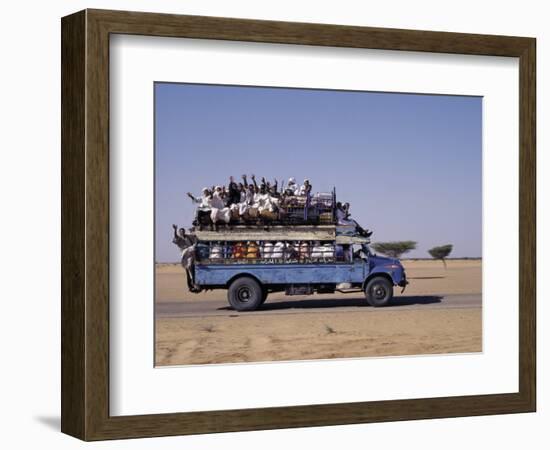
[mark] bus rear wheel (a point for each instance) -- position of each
(245, 294)
(379, 291)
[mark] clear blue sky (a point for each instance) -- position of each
(410, 165)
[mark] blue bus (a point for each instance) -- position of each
(250, 263)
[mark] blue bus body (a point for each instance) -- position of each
(357, 273)
(251, 262)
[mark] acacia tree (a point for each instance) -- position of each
(441, 253)
(394, 249)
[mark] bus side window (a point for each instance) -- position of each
(358, 252)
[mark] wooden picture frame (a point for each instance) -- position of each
(85, 224)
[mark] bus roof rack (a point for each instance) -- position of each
(272, 233)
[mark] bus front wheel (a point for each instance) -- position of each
(379, 291)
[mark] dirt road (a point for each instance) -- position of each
(353, 303)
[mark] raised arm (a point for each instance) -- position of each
(254, 181)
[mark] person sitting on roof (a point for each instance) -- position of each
(204, 206)
(219, 211)
(273, 191)
(262, 200)
(343, 218)
(242, 192)
(217, 198)
(241, 205)
(204, 201)
(291, 187)
(342, 215)
(233, 193)
(305, 189)
(247, 198)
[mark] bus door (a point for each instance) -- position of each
(360, 264)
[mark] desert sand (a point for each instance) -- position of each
(326, 333)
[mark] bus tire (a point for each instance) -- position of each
(245, 294)
(379, 291)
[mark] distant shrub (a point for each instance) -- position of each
(394, 249)
(441, 252)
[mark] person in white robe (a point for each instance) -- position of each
(343, 218)
(305, 188)
(247, 200)
(291, 187)
(204, 204)
(204, 201)
(219, 213)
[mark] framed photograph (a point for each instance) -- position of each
(272, 225)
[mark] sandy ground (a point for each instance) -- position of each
(329, 333)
